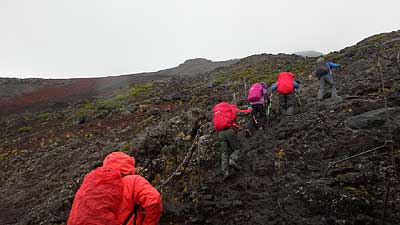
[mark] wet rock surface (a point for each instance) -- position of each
(373, 118)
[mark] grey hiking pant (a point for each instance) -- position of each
(286, 103)
(324, 81)
(230, 148)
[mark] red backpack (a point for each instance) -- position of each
(98, 199)
(285, 82)
(255, 92)
(224, 116)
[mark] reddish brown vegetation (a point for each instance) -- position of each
(77, 88)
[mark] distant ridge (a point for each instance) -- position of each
(195, 66)
(309, 53)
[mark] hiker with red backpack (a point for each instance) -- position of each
(224, 119)
(286, 85)
(323, 71)
(258, 98)
(113, 194)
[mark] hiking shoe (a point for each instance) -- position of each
(248, 133)
(338, 98)
(225, 176)
(234, 165)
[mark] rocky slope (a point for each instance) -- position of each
(284, 179)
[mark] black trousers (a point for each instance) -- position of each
(259, 115)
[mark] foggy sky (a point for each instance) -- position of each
(87, 38)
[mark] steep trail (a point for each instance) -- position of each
(257, 193)
(282, 177)
(285, 188)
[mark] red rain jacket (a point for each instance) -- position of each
(137, 190)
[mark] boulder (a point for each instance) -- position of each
(81, 120)
(354, 178)
(166, 98)
(153, 111)
(177, 96)
(371, 119)
(132, 108)
(143, 107)
(157, 101)
(396, 136)
(126, 113)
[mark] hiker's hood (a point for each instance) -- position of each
(121, 161)
(321, 60)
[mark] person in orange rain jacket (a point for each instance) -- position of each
(113, 194)
(137, 191)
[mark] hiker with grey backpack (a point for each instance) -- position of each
(323, 71)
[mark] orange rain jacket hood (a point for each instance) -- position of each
(120, 161)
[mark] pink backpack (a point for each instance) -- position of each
(255, 92)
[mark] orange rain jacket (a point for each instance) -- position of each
(137, 191)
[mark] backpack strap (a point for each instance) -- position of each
(133, 212)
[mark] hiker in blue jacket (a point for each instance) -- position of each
(323, 70)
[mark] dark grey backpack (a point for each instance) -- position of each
(322, 69)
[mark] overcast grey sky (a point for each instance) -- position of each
(86, 38)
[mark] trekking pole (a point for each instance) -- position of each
(245, 88)
(267, 119)
(255, 120)
(298, 94)
(198, 161)
(270, 104)
(269, 109)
